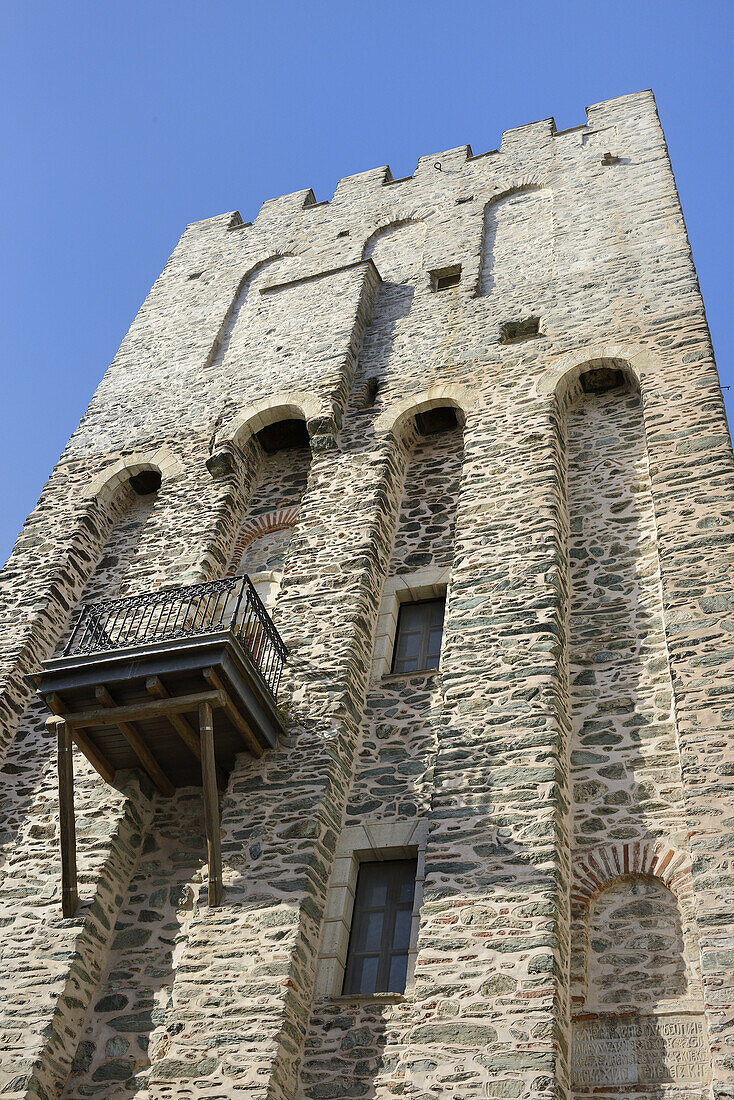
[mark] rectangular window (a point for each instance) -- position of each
(418, 637)
(446, 278)
(377, 959)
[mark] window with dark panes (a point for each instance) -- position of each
(418, 637)
(377, 959)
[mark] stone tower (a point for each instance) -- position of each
(463, 432)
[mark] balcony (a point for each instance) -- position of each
(176, 683)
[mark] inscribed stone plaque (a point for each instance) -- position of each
(640, 1050)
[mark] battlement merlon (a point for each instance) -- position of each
(518, 141)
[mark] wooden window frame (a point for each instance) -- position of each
(396, 872)
(426, 627)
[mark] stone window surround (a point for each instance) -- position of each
(379, 840)
(108, 480)
(424, 584)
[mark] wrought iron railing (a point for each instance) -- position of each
(184, 612)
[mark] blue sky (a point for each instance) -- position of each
(124, 122)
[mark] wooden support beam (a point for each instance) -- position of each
(233, 714)
(138, 712)
(158, 690)
(69, 893)
(96, 758)
(211, 803)
(137, 744)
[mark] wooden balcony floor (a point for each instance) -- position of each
(153, 678)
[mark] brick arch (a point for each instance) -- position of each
(280, 519)
(602, 866)
(596, 870)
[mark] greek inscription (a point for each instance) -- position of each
(640, 1050)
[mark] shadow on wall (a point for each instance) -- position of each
(625, 772)
(29, 769)
(636, 954)
(397, 251)
(353, 1060)
(393, 304)
(135, 993)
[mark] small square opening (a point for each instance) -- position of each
(511, 332)
(369, 394)
(446, 277)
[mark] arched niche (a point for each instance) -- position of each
(236, 430)
(640, 1024)
(624, 765)
(427, 433)
(592, 376)
(126, 502)
(399, 415)
(431, 437)
(517, 245)
(245, 316)
(108, 481)
(636, 953)
(636, 991)
(279, 454)
(397, 250)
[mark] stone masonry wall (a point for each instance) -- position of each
(281, 482)
(353, 1048)
(544, 781)
(625, 763)
(109, 824)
